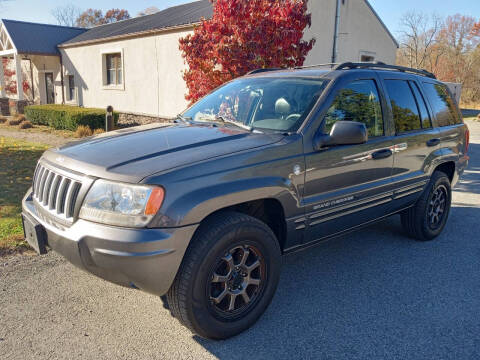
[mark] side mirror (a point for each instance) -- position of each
(342, 133)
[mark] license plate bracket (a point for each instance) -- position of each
(35, 235)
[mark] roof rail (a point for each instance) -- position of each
(316, 65)
(258, 71)
(381, 65)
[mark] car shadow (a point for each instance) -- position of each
(372, 294)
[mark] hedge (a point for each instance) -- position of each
(65, 117)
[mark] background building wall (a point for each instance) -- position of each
(153, 82)
(153, 65)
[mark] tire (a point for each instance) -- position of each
(232, 255)
(420, 221)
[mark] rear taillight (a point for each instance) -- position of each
(467, 140)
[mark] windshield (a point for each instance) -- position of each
(263, 103)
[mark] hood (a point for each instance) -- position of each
(132, 154)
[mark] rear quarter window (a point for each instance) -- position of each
(442, 104)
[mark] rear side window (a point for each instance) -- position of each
(358, 101)
(405, 111)
(442, 104)
(422, 106)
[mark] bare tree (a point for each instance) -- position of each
(419, 39)
(149, 11)
(66, 15)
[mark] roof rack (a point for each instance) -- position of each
(258, 71)
(381, 65)
(354, 65)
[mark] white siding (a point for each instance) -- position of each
(153, 82)
(153, 65)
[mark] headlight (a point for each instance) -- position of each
(120, 204)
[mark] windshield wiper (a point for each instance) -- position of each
(184, 119)
(221, 119)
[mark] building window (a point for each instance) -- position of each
(114, 69)
(367, 56)
(71, 88)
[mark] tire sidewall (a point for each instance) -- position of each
(239, 234)
(440, 179)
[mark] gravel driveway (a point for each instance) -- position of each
(371, 295)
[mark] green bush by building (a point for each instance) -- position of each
(65, 117)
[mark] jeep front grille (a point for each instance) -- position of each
(55, 193)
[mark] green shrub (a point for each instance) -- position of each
(65, 117)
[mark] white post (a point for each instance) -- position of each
(3, 92)
(19, 75)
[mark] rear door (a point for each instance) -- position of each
(415, 141)
(349, 185)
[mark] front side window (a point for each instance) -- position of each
(279, 104)
(442, 104)
(358, 101)
(114, 69)
(404, 106)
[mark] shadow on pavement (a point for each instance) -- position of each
(376, 296)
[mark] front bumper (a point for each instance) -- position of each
(144, 258)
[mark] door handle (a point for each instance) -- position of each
(433, 142)
(382, 154)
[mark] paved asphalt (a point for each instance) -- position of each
(371, 295)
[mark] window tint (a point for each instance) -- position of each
(359, 101)
(424, 114)
(442, 104)
(404, 107)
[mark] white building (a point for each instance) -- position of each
(136, 65)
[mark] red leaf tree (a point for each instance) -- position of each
(10, 83)
(244, 35)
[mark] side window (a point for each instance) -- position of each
(359, 101)
(404, 107)
(422, 106)
(442, 104)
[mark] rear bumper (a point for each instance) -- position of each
(461, 165)
(144, 258)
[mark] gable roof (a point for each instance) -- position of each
(382, 23)
(185, 14)
(41, 39)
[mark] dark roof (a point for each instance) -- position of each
(175, 16)
(32, 38)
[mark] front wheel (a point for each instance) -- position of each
(427, 218)
(228, 276)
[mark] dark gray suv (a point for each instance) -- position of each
(271, 163)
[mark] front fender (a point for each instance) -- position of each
(193, 206)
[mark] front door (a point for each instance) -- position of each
(349, 185)
(49, 88)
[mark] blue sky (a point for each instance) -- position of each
(389, 10)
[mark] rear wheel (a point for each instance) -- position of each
(228, 276)
(427, 218)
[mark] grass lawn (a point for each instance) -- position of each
(17, 164)
(41, 129)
